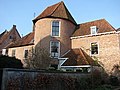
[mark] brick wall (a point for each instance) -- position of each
(109, 48)
(43, 34)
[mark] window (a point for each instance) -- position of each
(26, 54)
(3, 51)
(94, 30)
(54, 48)
(13, 53)
(94, 48)
(55, 28)
(10, 37)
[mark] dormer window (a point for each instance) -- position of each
(93, 30)
(55, 28)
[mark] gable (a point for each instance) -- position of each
(8, 37)
(24, 41)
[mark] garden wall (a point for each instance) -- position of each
(22, 79)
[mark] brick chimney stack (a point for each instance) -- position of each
(14, 26)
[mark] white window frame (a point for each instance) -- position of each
(58, 49)
(93, 28)
(59, 27)
(3, 51)
(91, 49)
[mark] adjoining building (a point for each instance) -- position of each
(7, 38)
(71, 45)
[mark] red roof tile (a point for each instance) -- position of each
(24, 41)
(3, 33)
(4, 39)
(58, 10)
(118, 29)
(84, 28)
(77, 57)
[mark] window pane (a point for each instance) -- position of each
(55, 28)
(52, 54)
(94, 48)
(93, 30)
(54, 49)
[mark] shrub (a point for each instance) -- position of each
(114, 80)
(83, 84)
(10, 62)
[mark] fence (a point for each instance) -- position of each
(21, 79)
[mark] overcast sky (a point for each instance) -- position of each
(21, 12)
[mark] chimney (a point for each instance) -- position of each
(14, 26)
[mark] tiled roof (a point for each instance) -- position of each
(24, 41)
(118, 29)
(77, 57)
(58, 10)
(5, 35)
(84, 28)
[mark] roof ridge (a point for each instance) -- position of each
(57, 5)
(92, 21)
(109, 24)
(66, 53)
(3, 33)
(83, 55)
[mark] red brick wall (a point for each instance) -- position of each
(43, 34)
(109, 48)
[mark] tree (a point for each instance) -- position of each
(38, 58)
(115, 70)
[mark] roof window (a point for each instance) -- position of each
(94, 30)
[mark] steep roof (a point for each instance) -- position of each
(3, 33)
(118, 29)
(84, 28)
(58, 10)
(77, 57)
(3, 37)
(24, 41)
(7, 34)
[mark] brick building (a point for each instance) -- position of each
(72, 45)
(7, 38)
